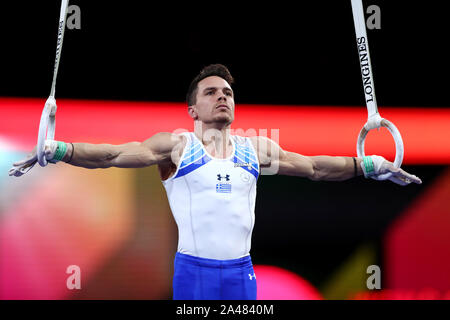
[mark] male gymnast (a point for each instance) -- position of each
(210, 178)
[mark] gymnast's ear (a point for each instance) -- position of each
(192, 110)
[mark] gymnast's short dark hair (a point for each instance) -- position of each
(218, 70)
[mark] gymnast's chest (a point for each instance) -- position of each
(220, 177)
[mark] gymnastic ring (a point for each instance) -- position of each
(46, 129)
(397, 138)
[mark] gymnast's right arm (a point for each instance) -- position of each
(161, 147)
(155, 150)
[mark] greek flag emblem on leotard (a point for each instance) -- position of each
(223, 187)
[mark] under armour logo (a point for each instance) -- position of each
(226, 177)
(252, 276)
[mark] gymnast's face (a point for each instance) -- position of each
(215, 101)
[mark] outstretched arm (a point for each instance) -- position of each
(154, 150)
(324, 168)
(319, 168)
(160, 148)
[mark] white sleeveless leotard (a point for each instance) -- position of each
(213, 200)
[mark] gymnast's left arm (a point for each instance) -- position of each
(326, 168)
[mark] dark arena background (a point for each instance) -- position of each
(123, 76)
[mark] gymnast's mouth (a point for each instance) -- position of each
(223, 106)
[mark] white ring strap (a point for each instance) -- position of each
(48, 117)
(374, 119)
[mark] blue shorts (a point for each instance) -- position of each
(209, 279)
